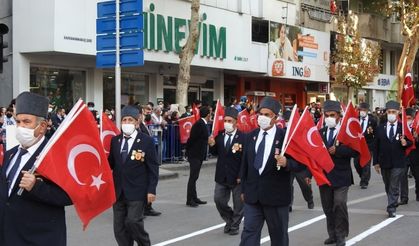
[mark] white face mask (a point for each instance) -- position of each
(26, 136)
(228, 127)
(330, 122)
(391, 117)
(49, 110)
(264, 122)
(110, 117)
(363, 114)
(128, 129)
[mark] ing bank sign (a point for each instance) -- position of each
(168, 34)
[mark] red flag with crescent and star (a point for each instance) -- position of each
(76, 161)
(1, 154)
(195, 112)
(306, 146)
(218, 123)
(350, 134)
(407, 133)
(408, 94)
(254, 120)
(185, 125)
(108, 130)
(243, 121)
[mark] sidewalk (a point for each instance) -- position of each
(170, 170)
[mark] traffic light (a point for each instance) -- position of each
(3, 30)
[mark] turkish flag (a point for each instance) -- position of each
(195, 112)
(280, 123)
(185, 125)
(406, 132)
(108, 130)
(408, 94)
(74, 159)
(320, 123)
(306, 146)
(1, 154)
(218, 123)
(292, 123)
(243, 121)
(254, 120)
(350, 134)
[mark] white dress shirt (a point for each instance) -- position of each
(25, 158)
(226, 136)
(130, 141)
(269, 141)
(394, 129)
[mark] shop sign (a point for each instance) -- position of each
(383, 82)
(168, 33)
(298, 53)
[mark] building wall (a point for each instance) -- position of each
(6, 85)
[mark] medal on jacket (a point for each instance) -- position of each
(277, 156)
(397, 137)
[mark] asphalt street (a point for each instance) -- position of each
(202, 226)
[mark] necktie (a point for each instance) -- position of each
(391, 133)
(228, 143)
(260, 152)
(124, 151)
(16, 165)
(362, 125)
(330, 137)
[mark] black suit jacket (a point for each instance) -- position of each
(197, 144)
(144, 129)
(390, 154)
(36, 217)
(272, 187)
(134, 178)
(227, 170)
(341, 174)
(370, 134)
(56, 122)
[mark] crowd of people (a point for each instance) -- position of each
(247, 163)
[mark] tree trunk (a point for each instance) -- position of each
(407, 58)
(186, 55)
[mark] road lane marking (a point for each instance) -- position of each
(298, 226)
(266, 239)
(372, 230)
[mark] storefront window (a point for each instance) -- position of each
(134, 89)
(63, 87)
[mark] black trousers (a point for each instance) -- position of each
(334, 201)
(128, 223)
(305, 188)
(391, 178)
(276, 218)
(404, 185)
(194, 169)
(363, 172)
(232, 216)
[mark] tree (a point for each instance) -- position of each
(355, 59)
(186, 55)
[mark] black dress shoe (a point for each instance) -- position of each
(364, 187)
(192, 204)
(391, 214)
(234, 231)
(310, 205)
(330, 241)
(417, 198)
(404, 202)
(227, 228)
(290, 209)
(149, 211)
(199, 201)
(340, 242)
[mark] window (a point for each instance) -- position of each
(63, 87)
(134, 89)
(392, 62)
(260, 30)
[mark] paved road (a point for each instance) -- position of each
(181, 225)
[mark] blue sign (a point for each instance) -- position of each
(131, 33)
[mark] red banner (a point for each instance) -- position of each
(185, 125)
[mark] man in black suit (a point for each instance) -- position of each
(335, 197)
(228, 145)
(57, 118)
(196, 151)
(413, 157)
(368, 126)
(389, 155)
(37, 217)
(411, 161)
(133, 160)
(265, 179)
(303, 177)
(148, 209)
